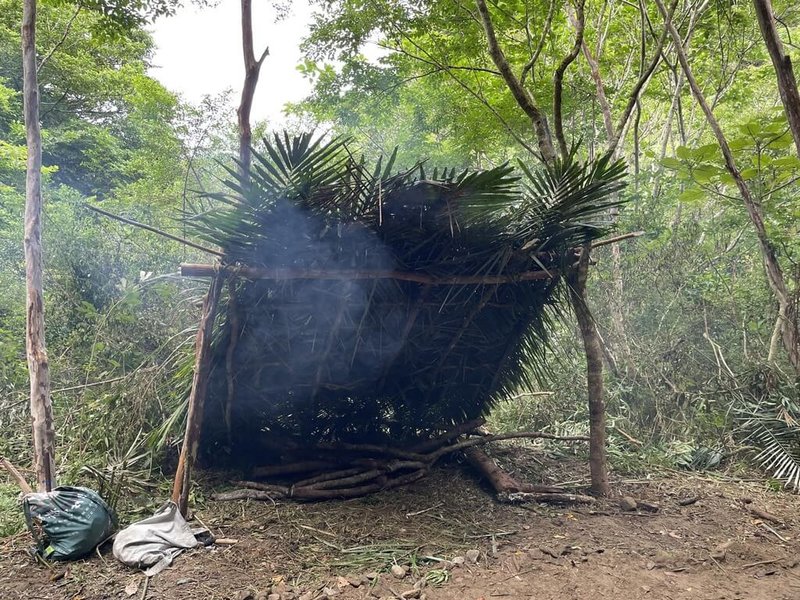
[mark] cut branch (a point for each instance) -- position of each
(197, 397)
(199, 270)
(152, 229)
(368, 468)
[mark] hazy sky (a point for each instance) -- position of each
(199, 52)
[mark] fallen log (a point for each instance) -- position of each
(502, 482)
(548, 498)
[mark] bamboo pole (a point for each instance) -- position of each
(194, 416)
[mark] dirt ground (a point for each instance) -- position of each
(455, 542)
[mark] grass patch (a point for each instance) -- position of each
(11, 518)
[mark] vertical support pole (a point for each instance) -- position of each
(38, 366)
(598, 464)
(197, 397)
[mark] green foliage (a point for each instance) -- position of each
(769, 419)
(12, 519)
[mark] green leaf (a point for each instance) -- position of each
(691, 195)
(704, 173)
(787, 162)
(707, 151)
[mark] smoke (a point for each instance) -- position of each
(311, 348)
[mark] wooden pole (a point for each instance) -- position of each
(36, 350)
(197, 397)
(598, 463)
(198, 270)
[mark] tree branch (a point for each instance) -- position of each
(521, 95)
(548, 23)
(558, 77)
(62, 40)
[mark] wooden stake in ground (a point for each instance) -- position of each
(194, 415)
(41, 407)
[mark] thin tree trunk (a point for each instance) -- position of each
(594, 354)
(787, 84)
(38, 366)
(558, 78)
(775, 278)
(194, 414)
(252, 68)
(598, 463)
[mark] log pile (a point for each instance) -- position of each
(353, 470)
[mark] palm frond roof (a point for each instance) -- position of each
(358, 358)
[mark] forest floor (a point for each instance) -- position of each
(456, 542)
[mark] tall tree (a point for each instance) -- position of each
(38, 366)
(787, 84)
(252, 69)
(787, 308)
(598, 462)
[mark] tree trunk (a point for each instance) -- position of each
(787, 84)
(252, 68)
(598, 463)
(38, 367)
(591, 341)
(775, 278)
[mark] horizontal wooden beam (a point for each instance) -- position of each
(200, 270)
(619, 238)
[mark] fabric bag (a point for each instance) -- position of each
(68, 522)
(152, 543)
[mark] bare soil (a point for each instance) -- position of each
(711, 549)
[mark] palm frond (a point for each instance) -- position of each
(322, 358)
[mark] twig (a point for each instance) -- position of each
(88, 385)
(772, 531)
(627, 436)
(146, 585)
(62, 40)
(619, 238)
(761, 562)
(424, 510)
(16, 476)
(152, 229)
